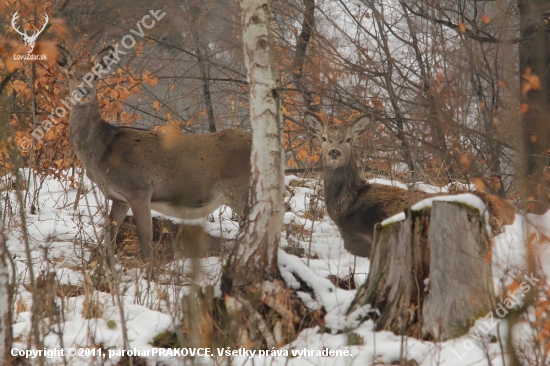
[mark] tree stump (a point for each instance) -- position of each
(430, 274)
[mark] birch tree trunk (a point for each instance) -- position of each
(263, 312)
(258, 242)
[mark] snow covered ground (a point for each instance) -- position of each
(61, 240)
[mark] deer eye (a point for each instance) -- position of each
(71, 76)
(324, 138)
(348, 140)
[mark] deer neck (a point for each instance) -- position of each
(87, 131)
(341, 186)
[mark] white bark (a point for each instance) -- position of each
(264, 220)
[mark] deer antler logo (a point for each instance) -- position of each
(29, 40)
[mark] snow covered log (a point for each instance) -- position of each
(430, 273)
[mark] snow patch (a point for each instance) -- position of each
(465, 198)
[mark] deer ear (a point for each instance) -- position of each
(359, 126)
(314, 124)
(63, 58)
(104, 57)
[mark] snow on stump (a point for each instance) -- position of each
(430, 274)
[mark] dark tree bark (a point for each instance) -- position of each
(447, 244)
(298, 77)
(534, 59)
(202, 63)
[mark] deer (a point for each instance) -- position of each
(356, 205)
(29, 40)
(188, 178)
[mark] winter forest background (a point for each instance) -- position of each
(457, 92)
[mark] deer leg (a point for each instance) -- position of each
(141, 209)
(119, 210)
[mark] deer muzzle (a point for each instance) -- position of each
(334, 154)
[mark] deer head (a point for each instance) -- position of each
(337, 140)
(83, 89)
(29, 40)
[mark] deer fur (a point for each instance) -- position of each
(356, 205)
(187, 176)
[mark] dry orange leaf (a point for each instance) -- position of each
(132, 81)
(149, 78)
(513, 287)
(292, 163)
(302, 154)
(462, 27)
(377, 103)
(523, 108)
(486, 19)
(465, 162)
(479, 184)
(530, 82)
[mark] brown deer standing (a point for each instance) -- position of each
(188, 178)
(356, 205)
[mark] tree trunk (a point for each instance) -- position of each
(256, 250)
(5, 302)
(430, 276)
(262, 310)
(534, 54)
(298, 76)
(193, 13)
